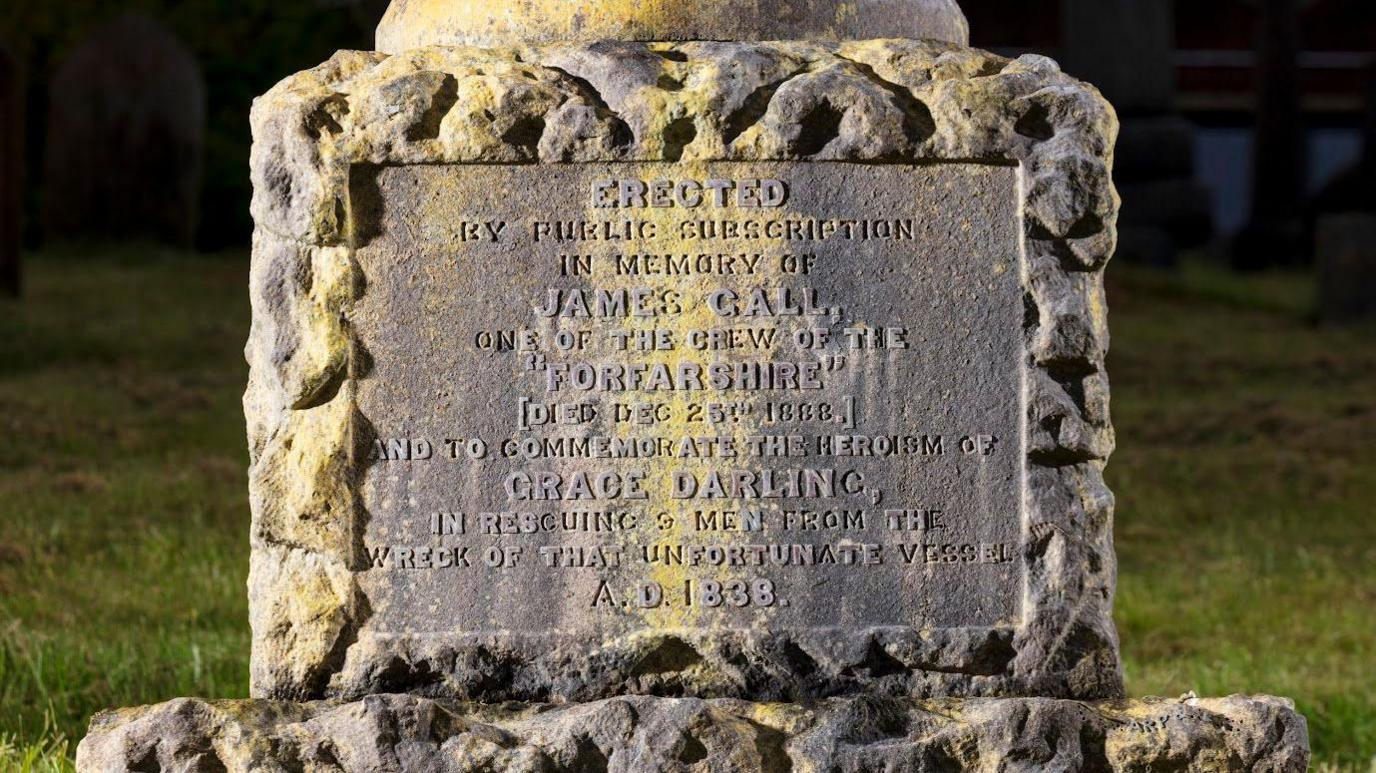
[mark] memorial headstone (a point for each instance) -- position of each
(646, 405)
(11, 170)
(764, 396)
(1344, 226)
(126, 136)
(1274, 234)
(1346, 254)
(1125, 48)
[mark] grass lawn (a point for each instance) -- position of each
(1246, 482)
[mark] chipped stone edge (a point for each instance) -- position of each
(406, 732)
(904, 102)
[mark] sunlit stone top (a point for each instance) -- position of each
(415, 23)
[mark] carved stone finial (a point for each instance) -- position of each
(416, 23)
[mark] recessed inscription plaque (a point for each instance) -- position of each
(613, 397)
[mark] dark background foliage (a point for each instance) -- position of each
(243, 48)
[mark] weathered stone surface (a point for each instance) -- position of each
(925, 231)
(126, 136)
(412, 24)
(329, 142)
(643, 734)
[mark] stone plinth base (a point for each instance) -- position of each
(640, 734)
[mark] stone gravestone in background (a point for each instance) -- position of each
(11, 169)
(657, 380)
(1346, 252)
(126, 136)
(1344, 226)
(1275, 232)
(1125, 48)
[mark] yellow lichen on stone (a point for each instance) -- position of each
(403, 732)
(326, 343)
(297, 634)
(411, 24)
(304, 482)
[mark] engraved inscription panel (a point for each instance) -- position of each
(604, 398)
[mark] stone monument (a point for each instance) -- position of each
(126, 136)
(1125, 48)
(1343, 221)
(11, 170)
(683, 387)
(1275, 233)
(1346, 250)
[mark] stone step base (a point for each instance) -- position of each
(643, 734)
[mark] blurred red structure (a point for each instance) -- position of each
(1216, 50)
(1276, 109)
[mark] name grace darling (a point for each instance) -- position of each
(801, 483)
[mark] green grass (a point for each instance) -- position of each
(124, 536)
(1246, 482)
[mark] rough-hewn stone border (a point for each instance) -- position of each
(898, 101)
(403, 733)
